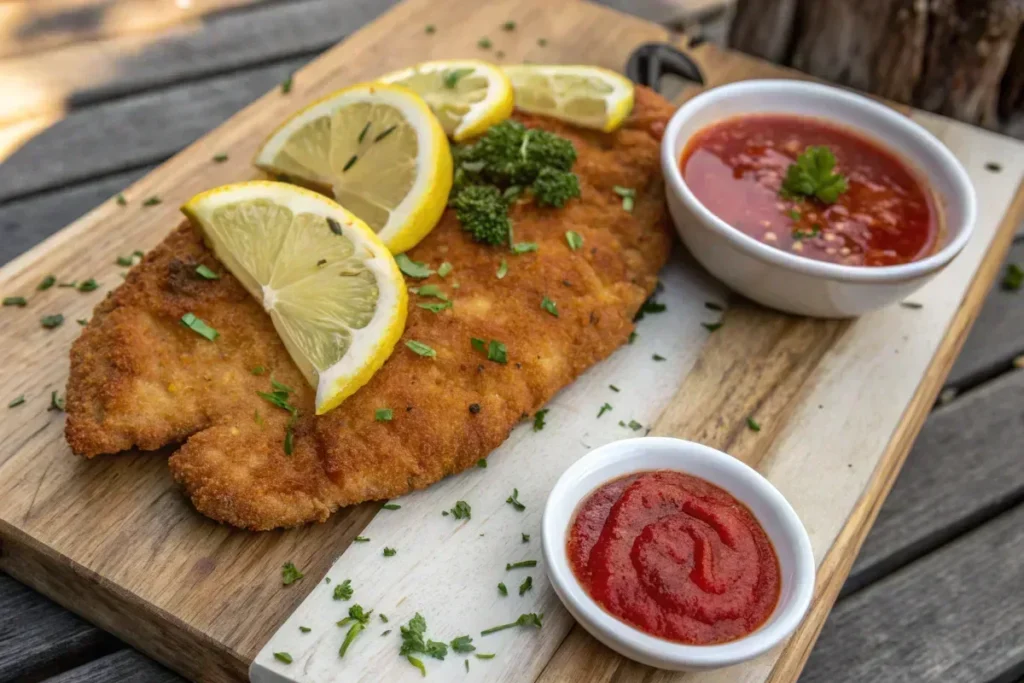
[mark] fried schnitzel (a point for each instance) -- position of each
(140, 379)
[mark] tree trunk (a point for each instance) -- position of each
(961, 58)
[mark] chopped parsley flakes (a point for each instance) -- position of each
(206, 273)
(283, 657)
(383, 415)
(290, 574)
(390, 552)
(497, 352)
(523, 620)
(538, 419)
(343, 591)
(513, 500)
(526, 585)
(462, 510)
(549, 306)
(391, 506)
(604, 409)
(413, 268)
(415, 640)
(420, 348)
(47, 282)
(502, 589)
(502, 269)
(19, 301)
(52, 321)
(520, 565)
(574, 239)
(628, 195)
(753, 424)
(199, 326)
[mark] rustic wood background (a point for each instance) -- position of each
(97, 92)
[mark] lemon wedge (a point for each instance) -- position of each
(468, 96)
(587, 96)
(379, 149)
(332, 289)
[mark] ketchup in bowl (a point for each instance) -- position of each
(676, 557)
(884, 215)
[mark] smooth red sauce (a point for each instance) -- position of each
(675, 556)
(736, 168)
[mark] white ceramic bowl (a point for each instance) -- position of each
(793, 283)
(780, 522)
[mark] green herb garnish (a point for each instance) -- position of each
(391, 506)
(523, 620)
(16, 402)
(389, 552)
(634, 425)
(358, 618)
(258, 370)
(911, 304)
(88, 286)
(526, 538)
(489, 655)
(286, 86)
(484, 43)
(812, 176)
(657, 357)
(524, 247)
(56, 402)
(753, 424)
(462, 644)
(52, 321)
(502, 589)
(48, 281)
(120, 200)
(305, 629)
(497, 352)
(414, 640)
(520, 565)
(361, 539)
(574, 239)
(502, 269)
(430, 28)
(462, 510)
(220, 158)
(283, 657)
(153, 201)
(604, 409)
(343, 591)
(628, 195)
(513, 500)
(383, 415)
(509, 26)
(613, 388)
(711, 327)
(19, 301)
(526, 585)
(206, 273)
(413, 268)
(198, 326)
(538, 419)
(290, 574)
(444, 269)
(452, 78)
(632, 337)
(482, 463)
(549, 306)
(420, 348)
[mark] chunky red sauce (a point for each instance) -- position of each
(676, 557)
(736, 168)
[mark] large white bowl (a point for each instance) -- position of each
(794, 283)
(780, 522)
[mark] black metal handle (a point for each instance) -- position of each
(649, 62)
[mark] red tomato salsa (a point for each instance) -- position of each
(737, 169)
(675, 556)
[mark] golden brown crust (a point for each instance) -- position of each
(141, 379)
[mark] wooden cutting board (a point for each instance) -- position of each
(840, 402)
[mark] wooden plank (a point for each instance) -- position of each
(955, 616)
(964, 468)
(998, 337)
(123, 666)
(84, 72)
(30, 26)
(27, 222)
(185, 608)
(39, 638)
(132, 132)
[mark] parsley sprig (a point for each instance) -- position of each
(812, 175)
(531, 619)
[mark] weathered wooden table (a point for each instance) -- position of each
(95, 93)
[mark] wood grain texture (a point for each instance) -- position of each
(124, 666)
(148, 568)
(83, 72)
(998, 337)
(27, 222)
(39, 638)
(31, 26)
(956, 616)
(133, 131)
(963, 468)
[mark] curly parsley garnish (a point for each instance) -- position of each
(358, 618)
(343, 591)
(414, 640)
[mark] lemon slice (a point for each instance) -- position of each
(587, 96)
(379, 149)
(331, 287)
(468, 96)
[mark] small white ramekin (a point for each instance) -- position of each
(794, 283)
(771, 509)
